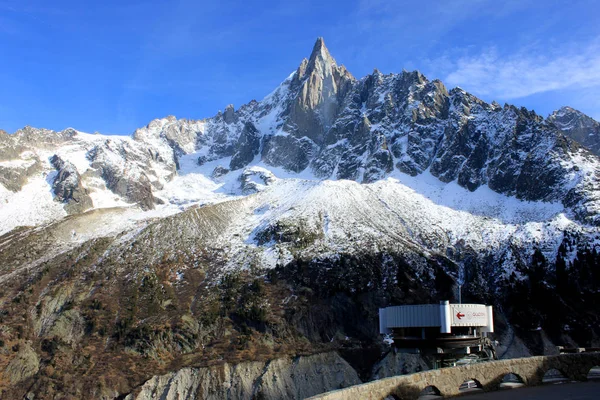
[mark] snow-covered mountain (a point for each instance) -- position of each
(578, 126)
(389, 187)
(320, 124)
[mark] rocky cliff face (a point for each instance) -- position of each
(278, 229)
(288, 378)
(578, 126)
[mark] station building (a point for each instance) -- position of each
(454, 334)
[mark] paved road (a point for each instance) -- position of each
(566, 391)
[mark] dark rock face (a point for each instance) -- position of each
(247, 147)
(67, 187)
(229, 115)
(578, 127)
(288, 152)
(512, 151)
(202, 160)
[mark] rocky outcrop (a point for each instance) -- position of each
(25, 364)
(219, 171)
(134, 189)
(578, 126)
(288, 378)
(123, 170)
(14, 177)
(397, 363)
(255, 179)
(67, 187)
(229, 116)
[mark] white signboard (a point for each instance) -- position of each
(469, 315)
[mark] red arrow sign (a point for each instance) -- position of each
(459, 315)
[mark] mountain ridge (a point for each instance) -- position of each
(322, 119)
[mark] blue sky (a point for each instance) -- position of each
(113, 66)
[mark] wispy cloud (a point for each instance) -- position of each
(525, 72)
(407, 31)
(428, 20)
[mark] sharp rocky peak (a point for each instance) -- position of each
(571, 113)
(321, 62)
(320, 56)
(319, 49)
